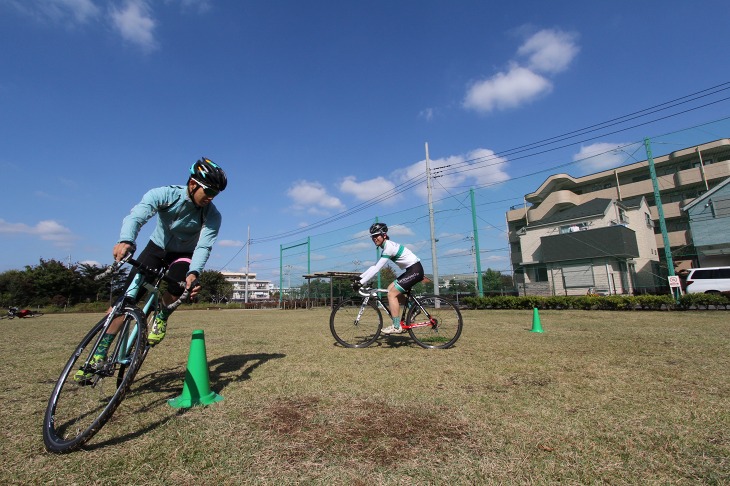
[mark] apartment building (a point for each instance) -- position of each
(248, 283)
(682, 176)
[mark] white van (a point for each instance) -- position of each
(708, 280)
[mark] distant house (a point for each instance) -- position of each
(709, 224)
(604, 246)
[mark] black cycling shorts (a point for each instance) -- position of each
(155, 257)
(410, 277)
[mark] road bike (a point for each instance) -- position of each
(78, 409)
(432, 321)
(14, 312)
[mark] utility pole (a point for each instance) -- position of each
(430, 218)
(477, 256)
(660, 211)
(248, 253)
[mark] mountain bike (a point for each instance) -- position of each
(432, 321)
(78, 409)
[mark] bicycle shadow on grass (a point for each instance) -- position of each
(167, 383)
(389, 341)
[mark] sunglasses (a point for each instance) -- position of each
(375, 237)
(207, 190)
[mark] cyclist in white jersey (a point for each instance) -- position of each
(405, 259)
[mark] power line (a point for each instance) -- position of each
(497, 158)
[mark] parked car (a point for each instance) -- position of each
(708, 280)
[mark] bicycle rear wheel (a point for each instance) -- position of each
(76, 411)
(440, 325)
(354, 325)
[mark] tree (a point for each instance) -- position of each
(108, 287)
(494, 281)
(461, 287)
(215, 287)
(387, 276)
(16, 289)
(54, 283)
(318, 289)
(491, 280)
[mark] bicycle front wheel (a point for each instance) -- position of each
(436, 323)
(355, 325)
(80, 406)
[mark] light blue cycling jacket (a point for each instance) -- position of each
(181, 225)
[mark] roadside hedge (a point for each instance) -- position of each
(610, 302)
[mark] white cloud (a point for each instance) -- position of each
(600, 156)
(48, 230)
(92, 263)
(427, 113)
(480, 167)
(231, 243)
(81, 10)
(135, 23)
(397, 230)
(313, 197)
(547, 52)
(506, 90)
(366, 190)
(134, 20)
(61, 11)
(199, 5)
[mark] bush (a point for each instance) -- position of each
(703, 301)
(595, 302)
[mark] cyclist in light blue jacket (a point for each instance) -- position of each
(187, 226)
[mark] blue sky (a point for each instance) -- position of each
(314, 108)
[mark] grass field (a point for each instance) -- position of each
(599, 397)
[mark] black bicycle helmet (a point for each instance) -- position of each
(378, 229)
(209, 174)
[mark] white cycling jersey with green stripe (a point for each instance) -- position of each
(402, 256)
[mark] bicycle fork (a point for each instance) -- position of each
(362, 309)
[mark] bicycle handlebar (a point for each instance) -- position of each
(369, 291)
(114, 267)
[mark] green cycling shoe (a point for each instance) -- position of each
(157, 332)
(84, 377)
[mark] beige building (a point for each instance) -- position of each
(622, 260)
(248, 283)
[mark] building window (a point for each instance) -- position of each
(622, 216)
(649, 221)
(541, 274)
(572, 228)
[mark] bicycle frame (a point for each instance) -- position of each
(126, 339)
(411, 301)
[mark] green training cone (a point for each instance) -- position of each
(196, 388)
(536, 327)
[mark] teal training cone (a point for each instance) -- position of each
(196, 388)
(536, 327)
